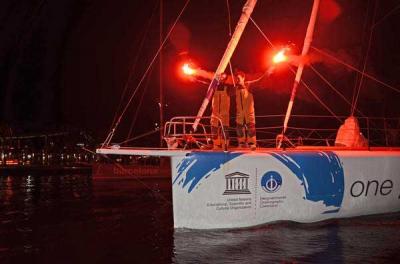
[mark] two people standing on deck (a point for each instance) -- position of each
(245, 113)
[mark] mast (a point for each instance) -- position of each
(244, 18)
(306, 47)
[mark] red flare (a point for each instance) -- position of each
(280, 57)
(187, 70)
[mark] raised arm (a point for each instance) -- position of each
(210, 75)
(204, 74)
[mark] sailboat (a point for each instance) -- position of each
(238, 188)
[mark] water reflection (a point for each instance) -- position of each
(70, 219)
(340, 241)
(7, 190)
(30, 205)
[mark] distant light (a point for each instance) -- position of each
(279, 57)
(187, 69)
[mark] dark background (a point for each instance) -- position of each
(64, 64)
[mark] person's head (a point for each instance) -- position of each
(240, 76)
(223, 77)
(239, 73)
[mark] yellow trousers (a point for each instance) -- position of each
(220, 111)
(245, 117)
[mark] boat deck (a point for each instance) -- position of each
(182, 152)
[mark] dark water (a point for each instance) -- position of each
(72, 219)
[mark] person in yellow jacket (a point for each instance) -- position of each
(220, 111)
(220, 106)
(245, 114)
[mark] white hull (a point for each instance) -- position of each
(243, 189)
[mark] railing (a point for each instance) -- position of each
(178, 133)
(303, 130)
(322, 130)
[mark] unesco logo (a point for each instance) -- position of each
(271, 181)
(237, 183)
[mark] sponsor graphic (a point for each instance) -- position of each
(271, 181)
(233, 203)
(371, 188)
(198, 165)
(321, 174)
(272, 202)
(237, 183)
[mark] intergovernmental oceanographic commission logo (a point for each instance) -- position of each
(237, 183)
(271, 181)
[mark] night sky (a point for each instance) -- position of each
(64, 64)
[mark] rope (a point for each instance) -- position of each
(111, 134)
(355, 69)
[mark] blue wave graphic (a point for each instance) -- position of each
(321, 174)
(201, 164)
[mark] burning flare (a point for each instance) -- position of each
(279, 57)
(188, 70)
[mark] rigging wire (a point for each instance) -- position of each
(134, 64)
(327, 116)
(139, 105)
(365, 61)
(320, 101)
(262, 32)
(358, 77)
(140, 136)
(355, 69)
(230, 35)
(302, 81)
(111, 134)
(229, 17)
(386, 16)
(333, 88)
(333, 58)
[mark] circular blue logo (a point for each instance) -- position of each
(271, 181)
